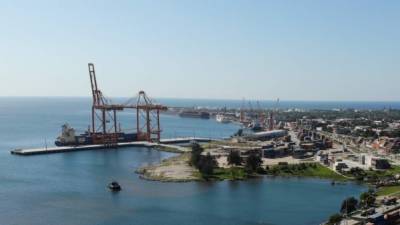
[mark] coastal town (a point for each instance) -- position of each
(339, 144)
(173, 112)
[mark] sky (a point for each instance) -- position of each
(222, 49)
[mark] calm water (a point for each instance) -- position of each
(69, 188)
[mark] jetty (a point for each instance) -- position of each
(183, 140)
(166, 143)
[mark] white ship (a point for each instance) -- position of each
(222, 118)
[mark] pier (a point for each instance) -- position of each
(185, 140)
(168, 143)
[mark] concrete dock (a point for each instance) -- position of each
(185, 140)
(167, 143)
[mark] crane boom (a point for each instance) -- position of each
(104, 112)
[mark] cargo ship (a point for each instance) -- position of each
(69, 138)
(195, 114)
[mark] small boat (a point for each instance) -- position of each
(114, 186)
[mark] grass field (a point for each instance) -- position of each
(372, 175)
(383, 173)
(306, 170)
(390, 190)
(233, 173)
(392, 171)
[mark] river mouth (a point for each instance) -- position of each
(71, 188)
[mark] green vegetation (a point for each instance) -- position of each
(196, 155)
(232, 173)
(253, 163)
(304, 170)
(372, 115)
(208, 169)
(367, 199)
(388, 190)
(205, 164)
(372, 175)
(390, 172)
(335, 219)
(349, 205)
(234, 158)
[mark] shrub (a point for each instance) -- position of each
(207, 164)
(349, 205)
(253, 162)
(196, 155)
(335, 219)
(367, 199)
(234, 158)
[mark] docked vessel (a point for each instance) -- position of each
(69, 138)
(195, 114)
(222, 118)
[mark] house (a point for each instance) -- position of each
(322, 158)
(393, 145)
(300, 153)
(374, 162)
(386, 144)
(275, 151)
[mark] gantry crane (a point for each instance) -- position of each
(147, 111)
(103, 111)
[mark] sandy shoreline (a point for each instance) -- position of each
(174, 169)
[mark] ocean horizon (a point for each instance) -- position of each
(230, 103)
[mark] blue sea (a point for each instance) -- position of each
(70, 188)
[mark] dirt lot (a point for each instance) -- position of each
(174, 169)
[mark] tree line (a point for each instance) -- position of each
(206, 163)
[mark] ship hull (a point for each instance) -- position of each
(201, 115)
(87, 139)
